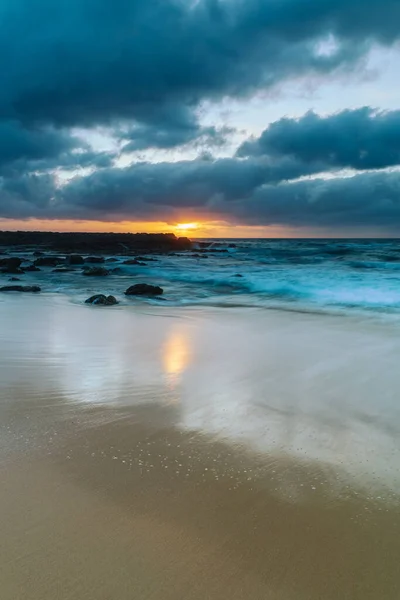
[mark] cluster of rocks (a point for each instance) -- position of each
(72, 252)
(84, 252)
(11, 265)
(91, 265)
(66, 264)
(139, 289)
(102, 300)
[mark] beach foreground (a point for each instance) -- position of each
(165, 453)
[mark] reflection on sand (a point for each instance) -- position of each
(176, 355)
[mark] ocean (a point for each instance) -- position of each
(329, 276)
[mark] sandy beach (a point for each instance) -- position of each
(165, 453)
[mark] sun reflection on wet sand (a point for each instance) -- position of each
(176, 356)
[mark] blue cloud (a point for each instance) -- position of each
(360, 139)
(85, 62)
(232, 189)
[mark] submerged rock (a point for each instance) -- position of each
(11, 265)
(75, 259)
(31, 268)
(20, 288)
(144, 289)
(134, 261)
(95, 259)
(14, 279)
(96, 272)
(102, 300)
(48, 261)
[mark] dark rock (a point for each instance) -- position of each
(14, 279)
(112, 260)
(48, 261)
(38, 253)
(95, 259)
(238, 275)
(75, 259)
(133, 261)
(102, 300)
(20, 288)
(31, 268)
(232, 246)
(144, 289)
(117, 271)
(96, 272)
(13, 262)
(11, 265)
(146, 259)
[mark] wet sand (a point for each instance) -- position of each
(164, 454)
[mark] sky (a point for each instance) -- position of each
(208, 118)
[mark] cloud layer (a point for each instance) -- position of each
(145, 69)
(238, 191)
(78, 62)
(355, 139)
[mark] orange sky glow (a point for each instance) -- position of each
(190, 229)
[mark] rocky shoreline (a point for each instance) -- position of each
(57, 253)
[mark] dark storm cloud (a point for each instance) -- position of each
(21, 143)
(85, 62)
(368, 199)
(143, 137)
(26, 195)
(171, 127)
(190, 184)
(236, 190)
(32, 149)
(242, 191)
(358, 139)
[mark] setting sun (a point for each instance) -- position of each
(186, 226)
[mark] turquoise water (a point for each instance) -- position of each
(313, 275)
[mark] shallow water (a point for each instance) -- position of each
(330, 276)
(311, 387)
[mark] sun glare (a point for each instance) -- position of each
(186, 226)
